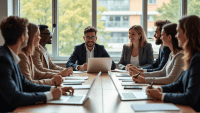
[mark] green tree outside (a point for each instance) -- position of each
(171, 11)
(74, 16)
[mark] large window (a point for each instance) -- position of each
(113, 20)
(164, 9)
(38, 12)
(193, 7)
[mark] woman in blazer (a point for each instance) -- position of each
(188, 84)
(26, 64)
(173, 68)
(138, 51)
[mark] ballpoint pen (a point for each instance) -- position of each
(138, 74)
(151, 85)
(55, 84)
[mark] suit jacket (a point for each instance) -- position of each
(160, 62)
(188, 85)
(145, 55)
(31, 73)
(79, 55)
(15, 89)
(169, 73)
(40, 62)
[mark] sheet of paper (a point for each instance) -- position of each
(70, 81)
(133, 84)
(122, 75)
(79, 72)
(78, 86)
(154, 107)
(125, 78)
(118, 70)
(75, 78)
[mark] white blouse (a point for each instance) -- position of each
(135, 61)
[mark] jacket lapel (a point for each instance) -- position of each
(95, 52)
(129, 51)
(84, 53)
(140, 55)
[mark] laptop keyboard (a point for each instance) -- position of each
(128, 95)
(75, 99)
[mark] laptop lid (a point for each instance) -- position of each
(102, 64)
(109, 73)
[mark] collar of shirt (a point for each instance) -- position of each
(16, 57)
(44, 49)
(89, 54)
(161, 47)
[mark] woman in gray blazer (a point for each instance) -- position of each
(174, 66)
(138, 51)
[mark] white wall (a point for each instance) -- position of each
(6, 9)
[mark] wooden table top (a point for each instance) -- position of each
(103, 99)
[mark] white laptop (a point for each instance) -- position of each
(75, 99)
(130, 95)
(102, 64)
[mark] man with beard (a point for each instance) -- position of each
(163, 51)
(89, 49)
(41, 58)
(15, 89)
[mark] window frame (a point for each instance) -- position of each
(55, 53)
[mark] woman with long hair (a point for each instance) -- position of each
(173, 68)
(188, 84)
(27, 67)
(138, 51)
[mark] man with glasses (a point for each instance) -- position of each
(89, 49)
(41, 58)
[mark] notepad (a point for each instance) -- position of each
(133, 84)
(78, 86)
(79, 72)
(70, 81)
(125, 78)
(75, 78)
(122, 75)
(118, 70)
(154, 107)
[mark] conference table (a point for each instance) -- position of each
(102, 99)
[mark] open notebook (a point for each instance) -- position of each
(130, 95)
(75, 99)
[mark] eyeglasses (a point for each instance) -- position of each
(93, 37)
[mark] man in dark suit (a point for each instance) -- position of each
(89, 49)
(163, 51)
(15, 89)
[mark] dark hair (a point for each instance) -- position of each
(170, 29)
(12, 28)
(161, 23)
(32, 28)
(192, 44)
(42, 27)
(90, 29)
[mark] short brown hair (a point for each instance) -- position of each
(90, 29)
(12, 28)
(161, 23)
(32, 30)
(192, 44)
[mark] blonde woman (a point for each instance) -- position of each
(26, 64)
(138, 51)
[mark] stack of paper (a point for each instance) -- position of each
(78, 86)
(133, 84)
(154, 107)
(75, 78)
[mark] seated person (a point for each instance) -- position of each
(173, 68)
(138, 51)
(26, 64)
(188, 84)
(41, 58)
(86, 50)
(164, 51)
(15, 89)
